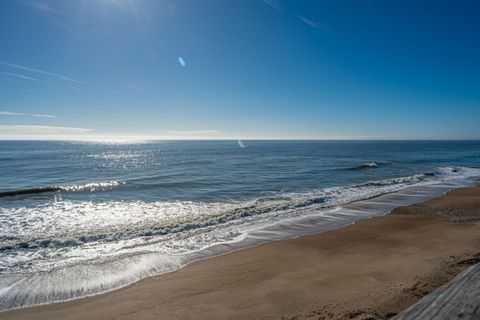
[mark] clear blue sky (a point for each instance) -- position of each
(240, 69)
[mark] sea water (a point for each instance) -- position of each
(81, 218)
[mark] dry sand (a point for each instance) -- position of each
(372, 269)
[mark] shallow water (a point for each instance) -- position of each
(83, 218)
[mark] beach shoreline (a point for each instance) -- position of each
(374, 268)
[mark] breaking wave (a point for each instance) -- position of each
(369, 165)
(109, 244)
(86, 187)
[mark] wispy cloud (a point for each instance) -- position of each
(102, 32)
(275, 4)
(51, 74)
(20, 76)
(36, 115)
(309, 22)
(22, 129)
(198, 133)
(8, 113)
(41, 7)
(59, 18)
(24, 77)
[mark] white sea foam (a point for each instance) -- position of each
(69, 248)
(96, 186)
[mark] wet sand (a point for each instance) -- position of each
(372, 269)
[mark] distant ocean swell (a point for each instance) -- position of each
(370, 165)
(109, 244)
(109, 185)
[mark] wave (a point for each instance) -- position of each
(86, 187)
(369, 165)
(95, 186)
(28, 191)
(69, 248)
(111, 221)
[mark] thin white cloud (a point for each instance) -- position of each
(198, 133)
(51, 74)
(26, 129)
(42, 7)
(102, 32)
(8, 113)
(20, 76)
(24, 77)
(275, 4)
(36, 115)
(57, 17)
(309, 22)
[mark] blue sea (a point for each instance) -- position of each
(81, 218)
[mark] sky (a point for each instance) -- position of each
(239, 69)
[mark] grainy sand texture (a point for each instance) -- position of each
(372, 269)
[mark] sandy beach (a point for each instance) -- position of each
(372, 269)
(224, 160)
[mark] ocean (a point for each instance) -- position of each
(81, 218)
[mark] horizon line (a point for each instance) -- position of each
(237, 139)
